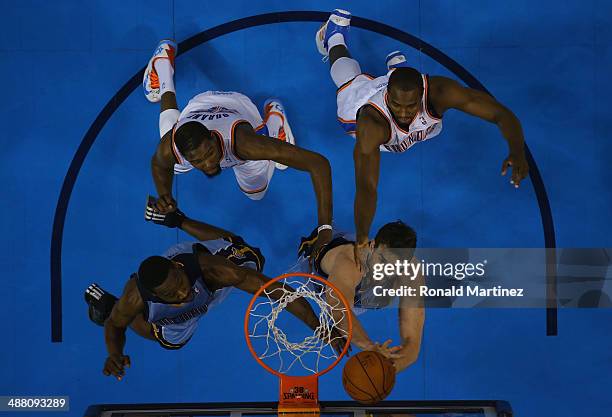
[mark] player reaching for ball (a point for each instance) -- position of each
(169, 294)
(334, 261)
(395, 111)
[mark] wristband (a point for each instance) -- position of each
(324, 227)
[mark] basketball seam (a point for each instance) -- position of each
(384, 373)
(368, 376)
(367, 394)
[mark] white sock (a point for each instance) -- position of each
(165, 72)
(334, 40)
(274, 122)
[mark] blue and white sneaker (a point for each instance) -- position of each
(339, 21)
(274, 106)
(166, 49)
(396, 59)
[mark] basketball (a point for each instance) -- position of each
(368, 377)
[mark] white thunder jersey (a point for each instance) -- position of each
(365, 89)
(220, 112)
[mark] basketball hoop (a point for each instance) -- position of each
(298, 363)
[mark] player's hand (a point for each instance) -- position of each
(389, 352)
(520, 168)
(172, 219)
(323, 238)
(360, 252)
(165, 204)
(115, 365)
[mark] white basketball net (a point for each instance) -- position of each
(313, 353)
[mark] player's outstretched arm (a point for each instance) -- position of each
(125, 310)
(411, 320)
(162, 169)
(372, 131)
(204, 231)
(176, 218)
(252, 146)
(449, 94)
(228, 274)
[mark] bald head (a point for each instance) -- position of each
(405, 79)
(405, 92)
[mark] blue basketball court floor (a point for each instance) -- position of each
(78, 136)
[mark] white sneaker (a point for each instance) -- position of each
(339, 21)
(396, 59)
(166, 49)
(274, 106)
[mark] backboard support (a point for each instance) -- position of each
(454, 408)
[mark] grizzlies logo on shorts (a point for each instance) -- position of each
(242, 254)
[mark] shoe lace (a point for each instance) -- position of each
(154, 79)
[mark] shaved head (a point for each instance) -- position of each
(405, 79)
(405, 92)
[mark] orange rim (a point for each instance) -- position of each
(305, 275)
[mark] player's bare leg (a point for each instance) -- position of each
(337, 52)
